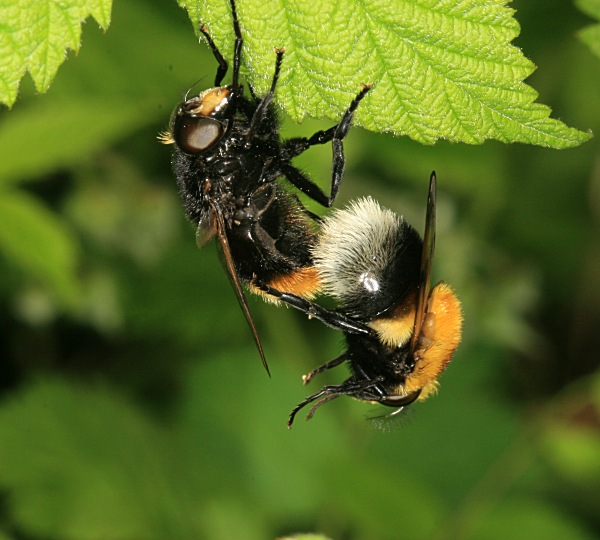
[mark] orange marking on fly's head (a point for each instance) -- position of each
(210, 101)
(440, 336)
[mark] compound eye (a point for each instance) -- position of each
(196, 134)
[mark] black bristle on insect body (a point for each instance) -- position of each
(228, 159)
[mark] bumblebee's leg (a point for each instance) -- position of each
(322, 401)
(223, 65)
(331, 364)
(350, 387)
(263, 106)
(330, 392)
(333, 319)
(336, 134)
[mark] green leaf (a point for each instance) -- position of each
(591, 34)
(530, 520)
(83, 463)
(104, 97)
(571, 441)
(59, 133)
(34, 35)
(439, 69)
(33, 239)
(306, 536)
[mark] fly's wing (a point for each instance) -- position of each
(205, 231)
(235, 281)
(426, 264)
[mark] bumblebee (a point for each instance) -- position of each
(400, 334)
(228, 158)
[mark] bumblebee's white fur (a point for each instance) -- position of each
(355, 246)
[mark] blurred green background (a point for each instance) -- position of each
(133, 404)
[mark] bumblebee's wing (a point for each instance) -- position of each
(235, 281)
(426, 263)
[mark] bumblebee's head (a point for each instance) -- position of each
(368, 258)
(199, 123)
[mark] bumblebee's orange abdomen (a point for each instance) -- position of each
(440, 336)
